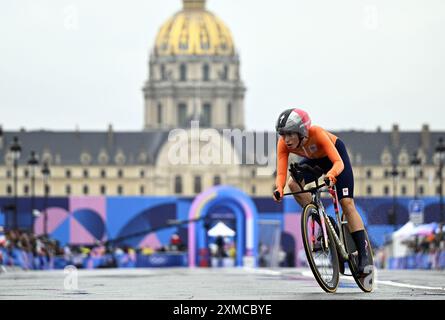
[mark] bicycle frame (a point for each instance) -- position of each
(316, 200)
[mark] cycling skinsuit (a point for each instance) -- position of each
(322, 149)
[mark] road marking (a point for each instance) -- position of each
(411, 286)
(309, 274)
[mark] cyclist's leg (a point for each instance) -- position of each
(345, 188)
(303, 199)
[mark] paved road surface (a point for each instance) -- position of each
(212, 284)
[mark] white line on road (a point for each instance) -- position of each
(383, 282)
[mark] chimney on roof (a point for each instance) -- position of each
(110, 136)
(425, 137)
(395, 136)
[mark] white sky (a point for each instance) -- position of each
(353, 64)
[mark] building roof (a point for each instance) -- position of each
(142, 147)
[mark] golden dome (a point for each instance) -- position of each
(194, 31)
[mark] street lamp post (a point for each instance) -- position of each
(440, 151)
(394, 174)
(32, 163)
(45, 172)
(15, 150)
(416, 162)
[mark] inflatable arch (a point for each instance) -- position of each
(246, 223)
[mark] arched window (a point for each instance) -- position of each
(183, 72)
(120, 173)
(369, 190)
(206, 72)
(206, 115)
(159, 113)
(197, 187)
(68, 190)
(178, 185)
(163, 73)
(8, 189)
(403, 190)
(120, 190)
(103, 173)
(182, 115)
(229, 114)
(85, 173)
(142, 190)
(26, 189)
(85, 190)
(216, 180)
(68, 173)
(103, 190)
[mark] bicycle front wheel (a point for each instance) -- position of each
(321, 256)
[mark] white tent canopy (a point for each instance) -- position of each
(404, 232)
(220, 229)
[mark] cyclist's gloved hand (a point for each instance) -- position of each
(330, 180)
(278, 194)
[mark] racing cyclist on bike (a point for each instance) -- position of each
(320, 148)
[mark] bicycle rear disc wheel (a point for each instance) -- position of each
(322, 258)
(365, 283)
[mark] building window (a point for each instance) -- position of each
(68, 190)
(47, 189)
(8, 189)
(120, 173)
(253, 189)
(197, 185)
(386, 173)
(206, 72)
(163, 73)
(403, 174)
(206, 115)
(26, 173)
(421, 190)
(253, 173)
(229, 114)
(216, 180)
(178, 185)
(182, 115)
(85, 173)
(159, 113)
(421, 174)
(142, 174)
(225, 73)
(26, 189)
(142, 190)
(368, 174)
(103, 190)
(120, 190)
(183, 72)
(386, 190)
(68, 174)
(103, 174)
(369, 190)
(438, 190)
(403, 190)
(85, 190)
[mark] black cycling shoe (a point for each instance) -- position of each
(363, 266)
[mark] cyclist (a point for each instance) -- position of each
(320, 148)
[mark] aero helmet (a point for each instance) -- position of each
(294, 121)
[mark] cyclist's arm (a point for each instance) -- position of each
(282, 162)
(333, 155)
